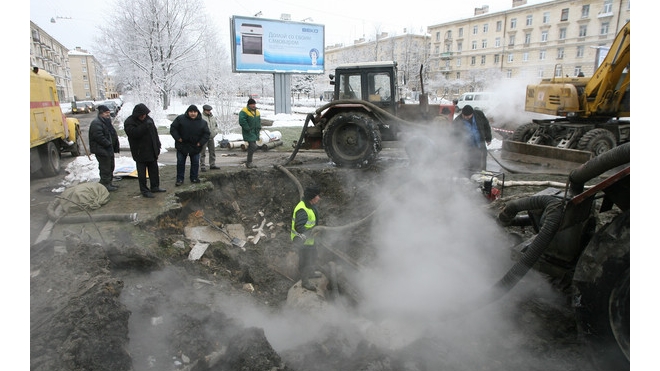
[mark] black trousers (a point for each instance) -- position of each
(154, 178)
(251, 149)
(307, 256)
(106, 168)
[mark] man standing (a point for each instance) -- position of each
(190, 133)
(305, 217)
(250, 120)
(473, 129)
(213, 128)
(104, 143)
(145, 148)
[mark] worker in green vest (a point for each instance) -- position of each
(305, 218)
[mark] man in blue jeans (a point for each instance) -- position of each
(190, 133)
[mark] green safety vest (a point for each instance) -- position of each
(311, 222)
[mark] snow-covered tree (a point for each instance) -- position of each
(150, 44)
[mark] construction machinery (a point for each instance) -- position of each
(366, 111)
(51, 132)
(588, 110)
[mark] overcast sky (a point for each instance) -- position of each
(76, 21)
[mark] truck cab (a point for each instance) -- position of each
(374, 82)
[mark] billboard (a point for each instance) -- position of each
(274, 46)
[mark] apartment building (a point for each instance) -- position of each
(528, 42)
(51, 56)
(89, 80)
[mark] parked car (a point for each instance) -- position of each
(114, 108)
(90, 104)
(81, 107)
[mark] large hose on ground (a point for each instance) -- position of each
(56, 214)
(615, 157)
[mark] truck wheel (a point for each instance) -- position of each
(524, 132)
(352, 139)
(601, 295)
(50, 159)
(75, 147)
(597, 141)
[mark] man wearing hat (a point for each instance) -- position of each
(190, 133)
(213, 128)
(305, 217)
(250, 120)
(104, 143)
(473, 130)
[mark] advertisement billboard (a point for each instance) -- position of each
(274, 46)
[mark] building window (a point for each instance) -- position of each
(509, 58)
(540, 73)
(498, 42)
(448, 47)
(580, 51)
(585, 11)
(583, 31)
(458, 75)
(458, 62)
(525, 56)
(544, 36)
(449, 34)
(528, 20)
(577, 70)
(474, 45)
(546, 17)
(484, 44)
(460, 32)
(475, 30)
(459, 46)
(558, 72)
(86, 86)
(496, 59)
(84, 77)
(437, 36)
(84, 69)
(483, 60)
(513, 22)
(437, 49)
(607, 9)
(528, 38)
(512, 40)
(473, 60)
(560, 53)
(498, 26)
(564, 15)
(83, 61)
(542, 55)
(562, 33)
(485, 27)
(509, 74)
(604, 28)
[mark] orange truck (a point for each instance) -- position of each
(51, 132)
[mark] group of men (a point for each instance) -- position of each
(193, 133)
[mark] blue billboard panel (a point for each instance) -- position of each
(267, 45)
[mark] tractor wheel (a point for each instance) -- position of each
(601, 294)
(524, 132)
(352, 139)
(75, 147)
(50, 159)
(597, 141)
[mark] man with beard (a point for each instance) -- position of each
(104, 143)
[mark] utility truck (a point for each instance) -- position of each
(51, 132)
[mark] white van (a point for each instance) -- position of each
(477, 99)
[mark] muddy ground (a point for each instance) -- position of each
(123, 295)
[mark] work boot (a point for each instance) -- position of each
(148, 194)
(110, 187)
(213, 167)
(307, 285)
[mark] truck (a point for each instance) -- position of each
(51, 132)
(591, 113)
(366, 110)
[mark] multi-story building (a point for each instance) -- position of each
(527, 42)
(51, 56)
(88, 77)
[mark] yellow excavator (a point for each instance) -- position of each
(589, 112)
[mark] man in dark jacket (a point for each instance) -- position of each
(190, 133)
(473, 130)
(104, 143)
(250, 120)
(145, 148)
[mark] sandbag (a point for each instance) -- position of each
(85, 196)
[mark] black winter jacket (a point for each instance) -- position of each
(103, 139)
(142, 135)
(193, 133)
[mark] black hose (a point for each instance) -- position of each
(615, 157)
(309, 118)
